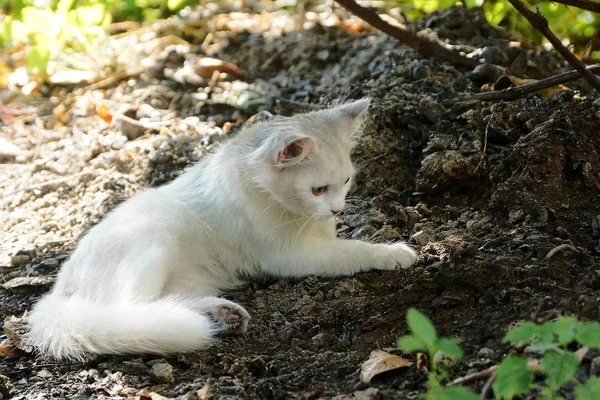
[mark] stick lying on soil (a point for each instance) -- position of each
(424, 46)
(532, 364)
(516, 92)
(541, 24)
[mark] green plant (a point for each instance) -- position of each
(65, 27)
(558, 364)
(50, 33)
(424, 338)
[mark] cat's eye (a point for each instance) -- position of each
(347, 180)
(317, 191)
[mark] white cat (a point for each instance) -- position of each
(144, 279)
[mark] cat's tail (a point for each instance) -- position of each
(70, 327)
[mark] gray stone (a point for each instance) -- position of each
(162, 373)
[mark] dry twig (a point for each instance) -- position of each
(589, 5)
(516, 92)
(424, 46)
(541, 24)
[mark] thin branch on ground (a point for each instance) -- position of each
(516, 92)
(560, 248)
(475, 376)
(540, 280)
(589, 5)
(426, 47)
(541, 24)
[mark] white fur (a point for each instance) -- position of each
(139, 281)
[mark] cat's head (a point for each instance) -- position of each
(304, 161)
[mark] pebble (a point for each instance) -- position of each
(134, 368)
(162, 373)
(486, 352)
(44, 374)
(20, 259)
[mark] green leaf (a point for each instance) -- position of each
(589, 390)
(528, 332)
(588, 334)
(174, 5)
(421, 326)
(449, 347)
(91, 15)
(37, 58)
(559, 368)
(565, 329)
(451, 393)
(410, 343)
(513, 378)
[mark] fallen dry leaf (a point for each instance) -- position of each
(422, 363)
(104, 113)
(8, 349)
(26, 282)
(379, 362)
(15, 329)
(204, 393)
(206, 67)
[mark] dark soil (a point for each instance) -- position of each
(485, 193)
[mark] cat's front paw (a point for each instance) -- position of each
(390, 256)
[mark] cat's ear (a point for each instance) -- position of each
(353, 110)
(294, 152)
(347, 117)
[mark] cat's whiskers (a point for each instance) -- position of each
(285, 223)
(269, 206)
(301, 229)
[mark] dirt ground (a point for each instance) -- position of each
(485, 191)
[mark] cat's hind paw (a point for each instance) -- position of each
(230, 318)
(395, 255)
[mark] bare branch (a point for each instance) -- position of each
(589, 5)
(424, 46)
(516, 92)
(541, 24)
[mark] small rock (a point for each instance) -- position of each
(8, 151)
(162, 373)
(445, 362)
(258, 366)
(286, 333)
(319, 340)
(28, 250)
(422, 237)
(130, 129)
(20, 259)
(369, 394)
(134, 368)
(562, 96)
(419, 70)
(156, 361)
(494, 55)
(323, 55)
(595, 366)
(485, 352)
(485, 73)
(44, 374)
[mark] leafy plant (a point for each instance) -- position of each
(424, 338)
(558, 364)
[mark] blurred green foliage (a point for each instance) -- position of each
(56, 28)
(574, 24)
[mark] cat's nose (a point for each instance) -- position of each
(336, 212)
